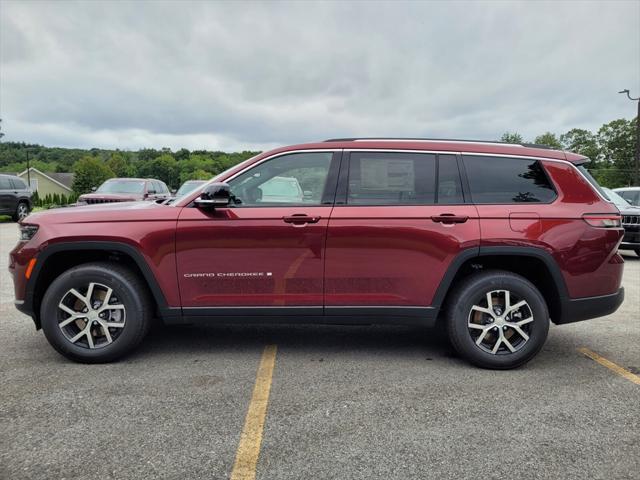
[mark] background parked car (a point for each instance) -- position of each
(15, 197)
(630, 194)
(126, 190)
(630, 222)
(189, 186)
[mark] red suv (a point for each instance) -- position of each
(491, 241)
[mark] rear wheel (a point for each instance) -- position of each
(96, 312)
(22, 211)
(497, 320)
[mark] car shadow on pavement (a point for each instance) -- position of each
(312, 339)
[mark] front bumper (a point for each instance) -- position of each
(578, 309)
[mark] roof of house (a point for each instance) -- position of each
(63, 179)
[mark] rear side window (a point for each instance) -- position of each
(5, 184)
(449, 184)
(507, 180)
(391, 178)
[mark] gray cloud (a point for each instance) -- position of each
(253, 75)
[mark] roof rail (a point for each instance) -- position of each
(401, 139)
(410, 139)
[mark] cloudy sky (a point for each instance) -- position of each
(253, 75)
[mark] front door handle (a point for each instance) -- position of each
(300, 218)
(447, 218)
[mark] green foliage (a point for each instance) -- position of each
(548, 139)
(163, 167)
(511, 137)
(90, 172)
(120, 165)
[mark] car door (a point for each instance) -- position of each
(267, 249)
(400, 219)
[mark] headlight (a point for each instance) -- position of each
(27, 232)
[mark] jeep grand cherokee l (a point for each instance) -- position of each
(490, 241)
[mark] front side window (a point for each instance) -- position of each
(391, 178)
(294, 179)
(507, 180)
(18, 184)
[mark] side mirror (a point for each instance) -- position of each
(214, 195)
(93, 189)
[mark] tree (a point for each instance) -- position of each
(616, 141)
(119, 165)
(583, 142)
(90, 172)
(509, 137)
(548, 139)
(163, 168)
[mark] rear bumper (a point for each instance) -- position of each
(578, 309)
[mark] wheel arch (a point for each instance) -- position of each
(535, 264)
(57, 258)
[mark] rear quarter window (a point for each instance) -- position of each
(507, 180)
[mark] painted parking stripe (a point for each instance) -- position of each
(248, 452)
(623, 372)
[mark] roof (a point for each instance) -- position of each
(66, 178)
(62, 179)
(453, 146)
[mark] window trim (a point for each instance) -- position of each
(515, 157)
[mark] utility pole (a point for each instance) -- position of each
(637, 172)
(26, 149)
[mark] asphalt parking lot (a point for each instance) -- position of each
(345, 402)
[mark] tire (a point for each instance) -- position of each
(22, 210)
(127, 317)
(466, 323)
(637, 250)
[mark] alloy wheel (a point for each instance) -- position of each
(91, 317)
(500, 322)
(23, 211)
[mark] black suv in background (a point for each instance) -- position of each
(15, 197)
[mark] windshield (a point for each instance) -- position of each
(189, 187)
(615, 198)
(121, 186)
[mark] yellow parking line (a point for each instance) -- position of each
(248, 452)
(623, 372)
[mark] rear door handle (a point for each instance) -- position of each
(449, 218)
(300, 218)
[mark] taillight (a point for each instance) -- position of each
(603, 220)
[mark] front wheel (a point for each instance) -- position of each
(497, 319)
(22, 211)
(96, 312)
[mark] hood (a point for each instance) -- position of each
(105, 213)
(630, 210)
